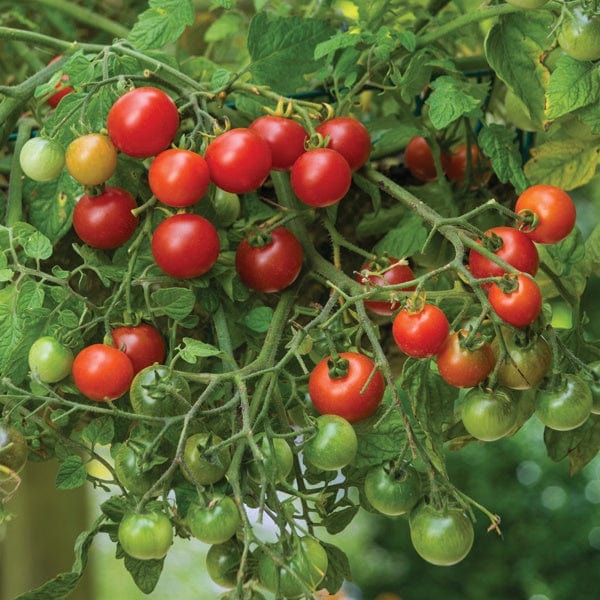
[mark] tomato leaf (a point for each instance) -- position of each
(259, 319)
(175, 302)
(115, 508)
(71, 473)
(338, 568)
(337, 521)
(100, 430)
(194, 349)
(162, 23)
(145, 573)
(405, 240)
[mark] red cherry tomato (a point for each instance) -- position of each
(178, 177)
(143, 344)
(239, 160)
(102, 373)
(344, 395)
(349, 137)
(553, 210)
(462, 367)
(62, 87)
(143, 122)
(520, 307)
(321, 177)
(272, 266)
(394, 273)
(185, 245)
(456, 165)
(418, 159)
(420, 333)
(105, 221)
(515, 248)
(285, 137)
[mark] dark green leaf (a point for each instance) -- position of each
(115, 508)
(100, 430)
(340, 519)
(338, 568)
(145, 573)
(162, 23)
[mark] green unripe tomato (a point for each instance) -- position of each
(488, 416)
(49, 360)
(42, 159)
(393, 490)
(223, 562)
(13, 449)
(201, 464)
(579, 34)
(227, 207)
(565, 406)
(158, 392)
(146, 536)
(441, 537)
(129, 470)
(333, 446)
(215, 522)
(278, 460)
(594, 383)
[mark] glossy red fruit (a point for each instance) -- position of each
(285, 137)
(418, 159)
(420, 333)
(143, 344)
(519, 307)
(349, 137)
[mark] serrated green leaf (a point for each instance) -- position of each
(193, 349)
(161, 24)
(566, 164)
(259, 319)
(591, 264)
(38, 246)
(227, 25)
(100, 430)
(404, 240)
(376, 445)
(337, 521)
(340, 40)
(338, 568)
(176, 302)
(115, 508)
(415, 76)
(71, 473)
(145, 573)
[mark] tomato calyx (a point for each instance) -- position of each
(508, 283)
(470, 340)
(338, 367)
(528, 220)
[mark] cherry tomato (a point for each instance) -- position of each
(227, 207)
(285, 137)
(394, 271)
(525, 366)
(269, 263)
(185, 245)
(61, 87)
(393, 490)
(278, 460)
(91, 159)
(179, 177)
(519, 307)
(321, 177)
(339, 390)
(49, 360)
(579, 34)
(239, 160)
(553, 211)
(102, 373)
(146, 536)
(456, 166)
(105, 221)
(420, 333)
(159, 392)
(201, 464)
(13, 450)
(214, 522)
(566, 405)
(464, 367)
(143, 344)
(349, 137)
(305, 567)
(143, 122)
(223, 562)
(418, 159)
(488, 415)
(135, 476)
(334, 444)
(593, 378)
(441, 537)
(41, 159)
(510, 245)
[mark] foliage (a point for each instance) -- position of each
(235, 401)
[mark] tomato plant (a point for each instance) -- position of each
(179, 177)
(285, 137)
(488, 415)
(91, 159)
(143, 122)
(350, 387)
(321, 177)
(41, 159)
(105, 221)
(102, 373)
(143, 344)
(349, 137)
(185, 245)
(49, 360)
(146, 536)
(393, 489)
(269, 262)
(421, 332)
(334, 444)
(239, 160)
(214, 522)
(441, 537)
(520, 304)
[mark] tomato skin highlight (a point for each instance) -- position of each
(143, 122)
(272, 267)
(520, 307)
(342, 395)
(102, 373)
(554, 210)
(223, 562)
(420, 333)
(285, 137)
(179, 177)
(462, 367)
(321, 177)
(105, 221)
(349, 137)
(146, 536)
(185, 246)
(239, 160)
(143, 344)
